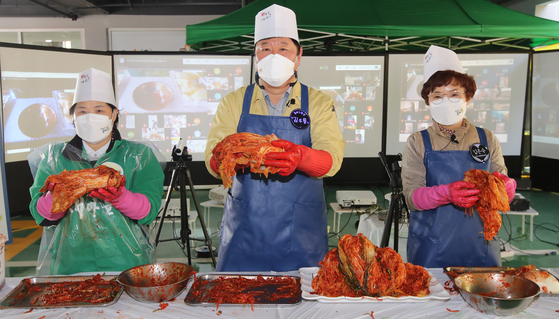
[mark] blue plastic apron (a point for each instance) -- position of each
(276, 223)
(446, 236)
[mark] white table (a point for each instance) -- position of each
(338, 211)
(371, 227)
(207, 207)
(530, 212)
(126, 307)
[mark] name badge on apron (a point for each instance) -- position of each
(479, 152)
(300, 119)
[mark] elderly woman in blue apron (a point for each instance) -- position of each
(433, 166)
(277, 223)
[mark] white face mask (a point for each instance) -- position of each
(448, 113)
(93, 128)
(275, 69)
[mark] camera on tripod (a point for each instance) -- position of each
(180, 176)
(398, 210)
(180, 152)
(393, 171)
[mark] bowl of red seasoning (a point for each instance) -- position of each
(156, 282)
(496, 293)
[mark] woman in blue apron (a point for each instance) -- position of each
(277, 223)
(434, 162)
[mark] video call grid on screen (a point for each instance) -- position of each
(183, 93)
(37, 93)
(356, 86)
(545, 105)
(498, 104)
(164, 98)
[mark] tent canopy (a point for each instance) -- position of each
(378, 25)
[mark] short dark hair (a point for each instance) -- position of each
(115, 124)
(442, 78)
(294, 42)
(297, 44)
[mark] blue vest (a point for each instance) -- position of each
(447, 236)
(276, 223)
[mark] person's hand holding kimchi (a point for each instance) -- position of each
(134, 205)
(299, 157)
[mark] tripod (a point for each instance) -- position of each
(397, 202)
(181, 174)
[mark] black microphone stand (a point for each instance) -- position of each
(397, 202)
(181, 174)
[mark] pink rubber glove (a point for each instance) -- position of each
(510, 184)
(44, 205)
(459, 193)
(133, 205)
(305, 159)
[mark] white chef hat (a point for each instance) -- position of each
(275, 21)
(440, 59)
(94, 85)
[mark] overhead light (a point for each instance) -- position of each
(49, 41)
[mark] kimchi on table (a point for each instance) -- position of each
(357, 268)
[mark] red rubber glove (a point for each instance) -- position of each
(111, 193)
(459, 193)
(134, 205)
(305, 159)
(510, 184)
(462, 194)
(213, 165)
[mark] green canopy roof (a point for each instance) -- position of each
(376, 25)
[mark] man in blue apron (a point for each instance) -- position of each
(433, 166)
(277, 223)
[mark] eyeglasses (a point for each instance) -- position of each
(453, 96)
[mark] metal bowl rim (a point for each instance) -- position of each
(162, 263)
(456, 282)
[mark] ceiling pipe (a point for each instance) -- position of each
(89, 6)
(70, 15)
(178, 4)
